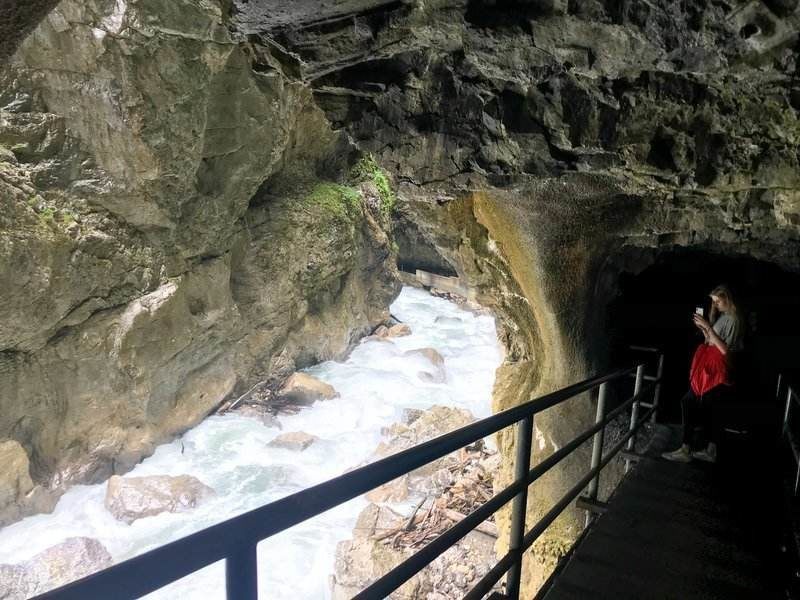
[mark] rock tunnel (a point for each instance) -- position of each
(653, 307)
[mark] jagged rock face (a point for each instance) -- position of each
(164, 238)
(446, 91)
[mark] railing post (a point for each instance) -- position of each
(786, 412)
(634, 412)
(522, 465)
(241, 574)
(657, 391)
(597, 445)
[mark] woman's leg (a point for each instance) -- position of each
(712, 403)
(689, 411)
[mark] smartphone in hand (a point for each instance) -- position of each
(699, 311)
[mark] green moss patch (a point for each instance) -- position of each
(367, 169)
(340, 200)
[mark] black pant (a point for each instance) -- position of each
(703, 411)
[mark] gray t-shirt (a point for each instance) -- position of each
(727, 328)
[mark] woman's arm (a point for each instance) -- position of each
(711, 335)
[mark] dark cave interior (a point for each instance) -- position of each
(655, 308)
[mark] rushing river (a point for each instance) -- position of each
(230, 454)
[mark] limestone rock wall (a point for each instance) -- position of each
(172, 227)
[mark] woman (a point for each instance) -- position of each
(710, 376)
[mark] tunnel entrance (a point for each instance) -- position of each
(415, 251)
(655, 308)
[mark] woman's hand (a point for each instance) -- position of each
(701, 324)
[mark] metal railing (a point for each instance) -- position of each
(786, 430)
(235, 540)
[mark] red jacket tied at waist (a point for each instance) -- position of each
(709, 369)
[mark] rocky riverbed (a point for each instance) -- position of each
(237, 461)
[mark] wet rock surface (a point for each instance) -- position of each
(72, 559)
(387, 531)
(132, 498)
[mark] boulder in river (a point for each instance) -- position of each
(72, 559)
(431, 354)
(304, 389)
(419, 427)
(396, 330)
(399, 330)
(436, 373)
(293, 440)
(445, 320)
(131, 498)
(423, 426)
(364, 559)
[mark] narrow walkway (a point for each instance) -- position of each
(681, 532)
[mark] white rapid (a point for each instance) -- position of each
(230, 454)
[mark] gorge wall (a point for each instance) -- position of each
(175, 226)
(162, 165)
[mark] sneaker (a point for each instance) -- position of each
(682, 454)
(707, 455)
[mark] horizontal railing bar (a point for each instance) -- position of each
(593, 505)
(148, 572)
(559, 507)
(407, 569)
(565, 451)
(644, 349)
(488, 581)
(399, 575)
(653, 378)
(493, 576)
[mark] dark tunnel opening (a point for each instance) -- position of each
(655, 308)
(754, 472)
(416, 252)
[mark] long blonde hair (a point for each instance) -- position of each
(723, 291)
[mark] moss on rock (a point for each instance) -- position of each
(367, 169)
(340, 200)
